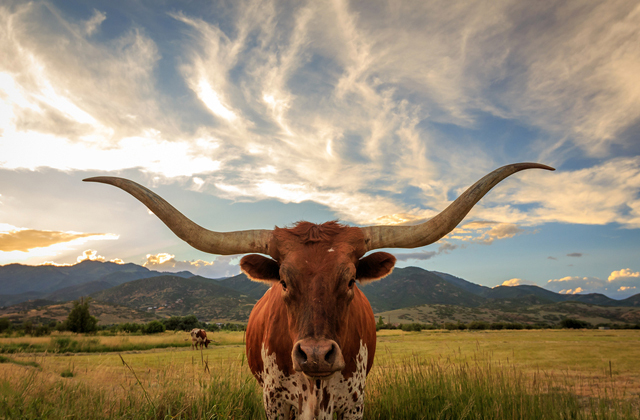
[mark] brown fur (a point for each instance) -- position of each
(316, 263)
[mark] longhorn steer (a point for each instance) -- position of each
(311, 339)
(199, 337)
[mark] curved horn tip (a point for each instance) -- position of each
(103, 179)
(531, 165)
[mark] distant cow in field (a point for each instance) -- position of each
(199, 337)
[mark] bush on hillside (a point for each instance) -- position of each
(451, 326)
(80, 320)
(479, 325)
(413, 327)
(153, 327)
(574, 323)
(182, 323)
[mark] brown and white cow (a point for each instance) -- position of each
(199, 337)
(311, 339)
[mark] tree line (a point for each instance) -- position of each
(80, 320)
(569, 323)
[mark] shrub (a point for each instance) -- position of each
(412, 327)
(574, 323)
(80, 320)
(189, 322)
(5, 325)
(40, 330)
(154, 327)
(66, 374)
(479, 325)
(129, 327)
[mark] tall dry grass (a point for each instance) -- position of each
(446, 382)
(409, 389)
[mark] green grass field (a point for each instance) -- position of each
(538, 374)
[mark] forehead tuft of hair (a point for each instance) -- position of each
(308, 232)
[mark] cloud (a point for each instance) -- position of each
(87, 255)
(90, 255)
(338, 104)
(24, 240)
(516, 282)
(597, 195)
(417, 256)
(624, 274)
(445, 247)
(92, 25)
(222, 266)
(621, 284)
(572, 291)
(22, 243)
(551, 258)
(575, 254)
(484, 232)
(19, 244)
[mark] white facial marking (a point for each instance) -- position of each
(284, 395)
(330, 250)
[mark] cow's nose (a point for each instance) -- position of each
(317, 358)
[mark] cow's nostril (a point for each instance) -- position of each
(300, 354)
(330, 356)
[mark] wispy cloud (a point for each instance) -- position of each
(484, 232)
(444, 248)
(337, 104)
(222, 266)
(23, 243)
(575, 254)
(620, 284)
(601, 194)
(87, 255)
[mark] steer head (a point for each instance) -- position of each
(315, 269)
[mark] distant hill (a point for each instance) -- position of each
(412, 286)
(19, 283)
(631, 301)
(512, 292)
(43, 311)
(523, 313)
(543, 295)
(463, 284)
(169, 295)
(231, 299)
(8, 300)
(242, 284)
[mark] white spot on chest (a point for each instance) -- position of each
(284, 395)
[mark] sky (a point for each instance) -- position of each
(255, 114)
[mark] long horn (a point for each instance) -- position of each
(432, 230)
(222, 243)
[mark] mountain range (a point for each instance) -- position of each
(231, 299)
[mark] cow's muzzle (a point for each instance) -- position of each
(318, 359)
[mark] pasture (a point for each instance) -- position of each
(537, 374)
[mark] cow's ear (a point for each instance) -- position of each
(374, 267)
(260, 268)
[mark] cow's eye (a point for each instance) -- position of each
(283, 284)
(351, 283)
